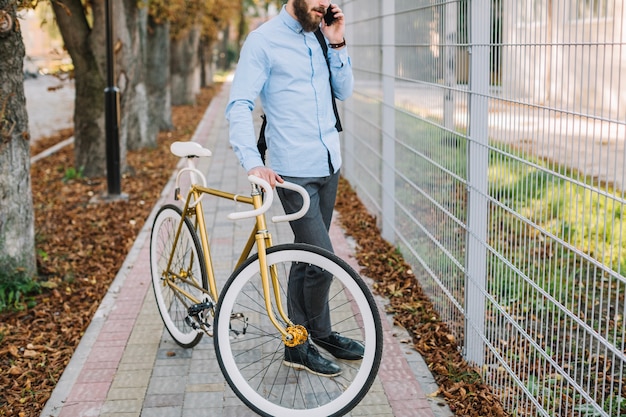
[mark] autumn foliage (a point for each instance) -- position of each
(80, 247)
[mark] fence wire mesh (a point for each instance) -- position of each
(487, 136)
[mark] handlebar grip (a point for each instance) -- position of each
(267, 201)
(306, 202)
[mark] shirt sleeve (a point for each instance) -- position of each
(250, 76)
(341, 69)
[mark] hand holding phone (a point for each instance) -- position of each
(329, 17)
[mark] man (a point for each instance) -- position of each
(283, 62)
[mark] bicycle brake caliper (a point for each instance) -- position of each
(296, 335)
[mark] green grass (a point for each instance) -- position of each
(72, 173)
(586, 217)
(16, 290)
(561, 218)
(560, 230)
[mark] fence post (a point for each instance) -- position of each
(449, 70)
(388, 120)
(477, 166)
(347, 115)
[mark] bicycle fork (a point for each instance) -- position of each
(292, 334)
(200, 312)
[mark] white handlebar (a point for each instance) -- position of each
(306, 202)
(269, 198)
(267, 201)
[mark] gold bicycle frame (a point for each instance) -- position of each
(292, 334)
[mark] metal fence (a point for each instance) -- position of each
(487, 136)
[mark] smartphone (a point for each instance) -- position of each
(329, 17)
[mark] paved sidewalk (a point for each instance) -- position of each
(127, 365)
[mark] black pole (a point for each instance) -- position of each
(111, 109)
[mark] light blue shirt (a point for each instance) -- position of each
(286, 67)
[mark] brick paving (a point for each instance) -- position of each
(126, 365)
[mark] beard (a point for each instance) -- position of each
(310, 22)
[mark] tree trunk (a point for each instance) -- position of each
(184, 67)
(130, 30)
(207, 67)
(158, 76)
(17, 231)
(223, 58)
(86, 47)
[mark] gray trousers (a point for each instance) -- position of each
(307, 297)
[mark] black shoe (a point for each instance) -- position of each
(341, 347)
(307, 357)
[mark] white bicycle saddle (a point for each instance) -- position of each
(189, 150)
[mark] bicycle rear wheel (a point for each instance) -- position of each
(250, 350)
(186, 271)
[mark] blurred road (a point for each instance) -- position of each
(50, 105)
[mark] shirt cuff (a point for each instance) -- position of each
(338, 58)
(251, 162)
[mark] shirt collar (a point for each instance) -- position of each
(289, 21)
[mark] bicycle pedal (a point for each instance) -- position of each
(199, 324)
(192, 323)
(199, 308)
(242, 324)
(200, 317)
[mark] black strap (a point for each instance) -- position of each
(262, 144)
(322, 41)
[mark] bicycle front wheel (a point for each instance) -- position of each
(250, 351)
(185, 276)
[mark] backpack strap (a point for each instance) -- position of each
(261, 144)
(322, 41)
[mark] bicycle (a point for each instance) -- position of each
(248, 319)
